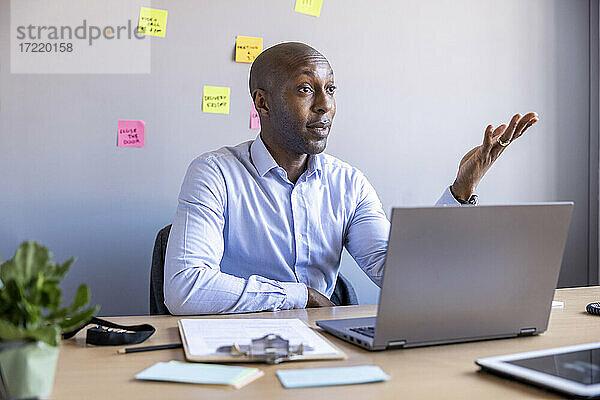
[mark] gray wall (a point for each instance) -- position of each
(418, 82)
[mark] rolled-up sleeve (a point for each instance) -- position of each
(194, 283)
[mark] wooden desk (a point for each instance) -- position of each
(429, 372)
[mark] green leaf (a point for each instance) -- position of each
(9, 331)
(51, 296)
(30, 258)
(62, 270)
(78, 320)
(19, 309)
(57, 315)
(9, 272)
(82, 297)
(55, 272)
(30, 297)
(47, 333)
(36, 290)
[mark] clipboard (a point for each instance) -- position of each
(202, 338)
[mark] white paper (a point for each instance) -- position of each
(204, 336)
(557, 304)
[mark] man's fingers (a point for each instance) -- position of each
(506, 136)
(508, 133)
(488, 137)
(528, 125)
(494, 137)
(499, 131)
(525, 122)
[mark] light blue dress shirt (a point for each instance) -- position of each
(245, 238)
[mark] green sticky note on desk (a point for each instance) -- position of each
(310, 377)
(209, 374)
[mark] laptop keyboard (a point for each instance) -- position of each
(365, 330)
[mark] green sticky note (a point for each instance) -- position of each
(216, 100)
(310, 7)
(152, 22)
(244, 376)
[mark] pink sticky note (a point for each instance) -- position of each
(254, 120)
(131, 133)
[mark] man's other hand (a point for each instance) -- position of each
(477, 161)
(316, 299)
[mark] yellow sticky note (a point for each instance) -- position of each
(152, 22)
(310, 7)
(247, 48)
(215, 100)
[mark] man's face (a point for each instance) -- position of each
(302, 110)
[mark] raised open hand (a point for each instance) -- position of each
(478, 161)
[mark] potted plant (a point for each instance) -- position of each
(32, 320)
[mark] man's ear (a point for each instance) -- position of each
(259, 97)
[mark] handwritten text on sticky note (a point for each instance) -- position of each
(152, 22)
(310, 7)
(247, 48)
(215, 100)
(254, 119)
(131, 133)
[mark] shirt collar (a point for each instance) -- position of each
(261, 158)
(264, 162)
(314, 165)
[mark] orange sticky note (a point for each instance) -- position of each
(310, 7)
(247, 48)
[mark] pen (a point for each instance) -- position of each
(149, 348)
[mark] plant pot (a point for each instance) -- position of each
(27, 369)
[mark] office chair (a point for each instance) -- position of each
(343, 294)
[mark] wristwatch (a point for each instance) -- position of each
(472, 200)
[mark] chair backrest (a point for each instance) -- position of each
(343, 294)
(157, 273)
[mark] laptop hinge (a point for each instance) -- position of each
(396, 343)
(527, 331)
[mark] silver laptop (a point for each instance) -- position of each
(458, 274)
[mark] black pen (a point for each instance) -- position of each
(149, 348)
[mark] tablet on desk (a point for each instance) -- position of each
(574, 370)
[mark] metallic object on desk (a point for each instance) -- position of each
(270, 348)
(100, 328)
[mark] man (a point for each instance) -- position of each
(262, 225)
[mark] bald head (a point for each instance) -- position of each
(292, 88)
(277, 63)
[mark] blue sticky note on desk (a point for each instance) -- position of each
(175, 371)
(299, 378)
